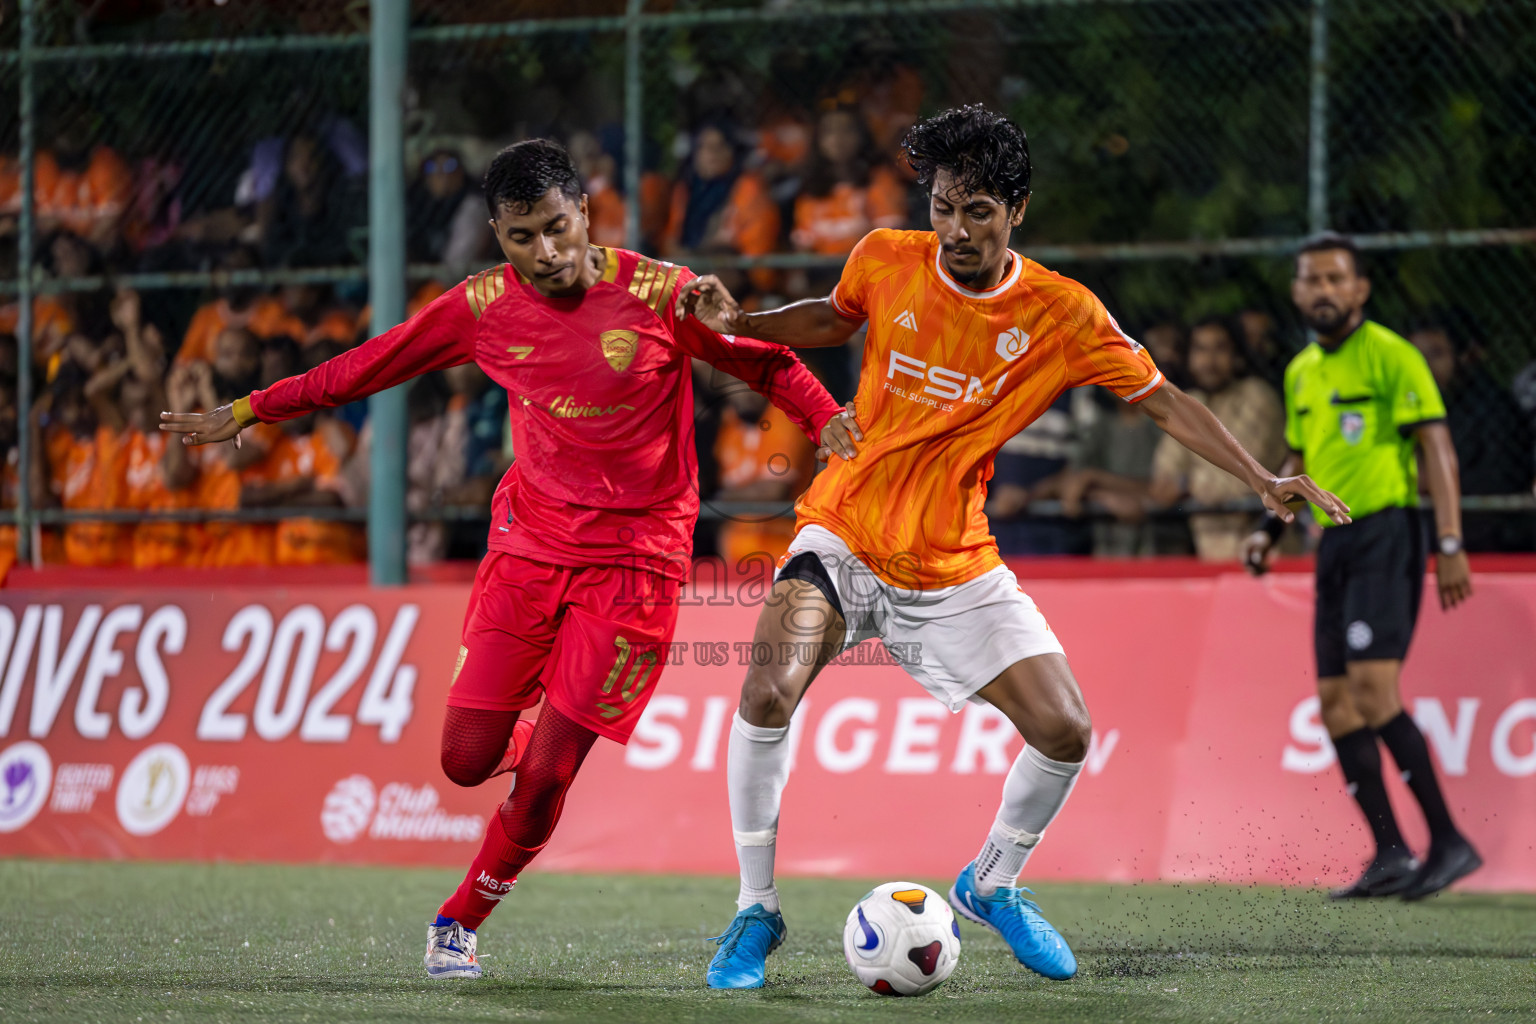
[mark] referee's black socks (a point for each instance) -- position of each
(1360, 761)
(1403, 738)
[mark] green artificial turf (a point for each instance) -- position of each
(163, 942)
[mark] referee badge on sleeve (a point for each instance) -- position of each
(1352, 426)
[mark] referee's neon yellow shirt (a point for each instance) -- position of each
(1351, 413)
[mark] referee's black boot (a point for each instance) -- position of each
(1390, 873)
(1449, 859)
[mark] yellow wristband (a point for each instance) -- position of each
(243, 413)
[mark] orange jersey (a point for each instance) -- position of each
(78, 198)
(773, 449)
(157, 543)
(91, 474)
(950, 374)
(833, 223)
(309, 541)
(227, 545)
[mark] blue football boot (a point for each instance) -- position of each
(744, 948)
(1037, 945)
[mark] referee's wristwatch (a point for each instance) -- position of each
(1450, 545)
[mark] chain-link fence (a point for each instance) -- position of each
(213, 158)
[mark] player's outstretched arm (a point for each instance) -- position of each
(1196, 428)
(440, 336)
(809, 323)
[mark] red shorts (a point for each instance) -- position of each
(591, 640)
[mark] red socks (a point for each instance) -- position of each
(555, 748)
(491, 876)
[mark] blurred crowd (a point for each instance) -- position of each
(810, 181)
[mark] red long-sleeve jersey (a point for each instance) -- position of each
(601, 398)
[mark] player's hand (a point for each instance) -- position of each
(1277, 492)
(712, 303)
(203, 427)
(1454, 574)
(839, 435)
(1257, 552)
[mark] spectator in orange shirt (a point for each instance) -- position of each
(77, 187)
(236, 306)
(598, 160)
(52, 324)
(236, 364)
(151, 478)
(307, 313)
(891, 103)
(224, 470)
(762, 457)
(848, 190)
(600, 176)
(80, 462)
(70, 319)
(717, 203)
(303, 469)
(783, 144)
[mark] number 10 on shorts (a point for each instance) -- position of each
(641, 665)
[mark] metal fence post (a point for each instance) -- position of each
(24, 547)
(1317, 146)
(634, 123)
(386, 283)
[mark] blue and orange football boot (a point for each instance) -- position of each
(742, 961)
(1034, 942)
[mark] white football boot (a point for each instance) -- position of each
(450, 950)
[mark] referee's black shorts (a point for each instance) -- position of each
(1370, 579)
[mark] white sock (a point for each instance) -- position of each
(1033, 792)
(756, 769)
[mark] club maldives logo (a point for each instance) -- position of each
(26, 772)
(349, 807)
(398, 810)
(152, 789)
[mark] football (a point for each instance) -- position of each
(901, 940)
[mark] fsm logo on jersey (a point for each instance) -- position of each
(26, 772)
(152, 789)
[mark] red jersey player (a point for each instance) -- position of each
(591, 529)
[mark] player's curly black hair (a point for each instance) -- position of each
(521, 174)
(985, 151)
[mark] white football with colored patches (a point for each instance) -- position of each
(901, 939)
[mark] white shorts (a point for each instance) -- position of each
(954, 640)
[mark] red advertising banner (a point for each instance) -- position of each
(303, 724)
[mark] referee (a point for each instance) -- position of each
(1358, 400)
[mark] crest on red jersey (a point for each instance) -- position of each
(619, 348)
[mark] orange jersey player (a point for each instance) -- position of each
(967, 343)
(591, 528)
